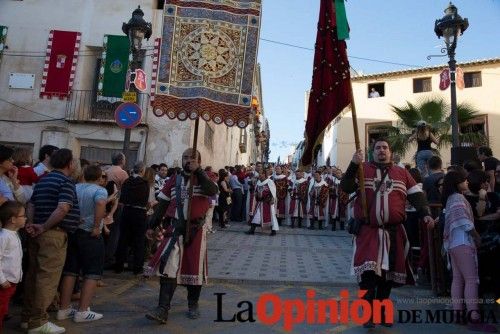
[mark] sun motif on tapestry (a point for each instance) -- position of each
(208, 52)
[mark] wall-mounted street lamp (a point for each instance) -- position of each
(450, 27)
(136, 29)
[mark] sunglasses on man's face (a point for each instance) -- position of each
(103, 176)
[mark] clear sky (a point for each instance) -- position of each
(397, 31)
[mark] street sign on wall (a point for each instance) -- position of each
(129, 97)
(128, 115)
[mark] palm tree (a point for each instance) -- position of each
(434, 112)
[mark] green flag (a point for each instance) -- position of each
(114, 66)
(342, 26)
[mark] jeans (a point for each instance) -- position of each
(421, 159)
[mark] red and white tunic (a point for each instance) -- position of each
(281, 182)
(333, 206)
(264, 212)
(318, 199)
(298, 203)
(188, 263)
(373, 244)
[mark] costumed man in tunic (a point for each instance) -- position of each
(253, 177)
(281, 182)
(318, 197)
(334, 183)
(298, 203)
(381, 247)
(264, 212)
(178, 261)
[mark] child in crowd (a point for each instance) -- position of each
(461, 241)
(25, 172)
(13, 218)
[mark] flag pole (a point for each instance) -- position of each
(361, 173)
(191, 181)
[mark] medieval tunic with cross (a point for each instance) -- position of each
(333, 205)
(318, 199)
(382, 245)
(281, 182)
(298, 203)
(188, 262)
(263, 211)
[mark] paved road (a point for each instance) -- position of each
(243, 268)
(292, 256)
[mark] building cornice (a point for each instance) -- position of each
(423, 70)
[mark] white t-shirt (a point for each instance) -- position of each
(11, 257)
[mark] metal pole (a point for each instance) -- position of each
(126, 143)
(190, 189)
(134, 64)
(453, 88)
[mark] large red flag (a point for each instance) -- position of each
(330, 92)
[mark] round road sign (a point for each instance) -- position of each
(128, 115)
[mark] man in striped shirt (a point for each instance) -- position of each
(52, 213)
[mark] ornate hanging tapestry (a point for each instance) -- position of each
(60, 63)
(207, 60)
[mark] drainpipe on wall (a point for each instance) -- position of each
(141, 153)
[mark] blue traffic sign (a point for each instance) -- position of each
(128, 115)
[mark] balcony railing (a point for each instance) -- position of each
(86, 106)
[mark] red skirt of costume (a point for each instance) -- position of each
(375, 250)
(334, 207)
(262, 215)
(281, 208)
(188, 263)
(298, 208)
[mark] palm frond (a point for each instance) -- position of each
(436, 112)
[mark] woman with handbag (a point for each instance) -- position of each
(225, 191)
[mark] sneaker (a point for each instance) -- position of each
(86, 316)
(65, 314)
(47, 328)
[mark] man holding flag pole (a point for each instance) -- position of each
(380, 246)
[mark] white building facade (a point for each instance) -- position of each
(79, 122)
(482, 79)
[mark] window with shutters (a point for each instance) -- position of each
(472, 79)
(421, 85)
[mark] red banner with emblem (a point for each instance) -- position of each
(60, 63)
